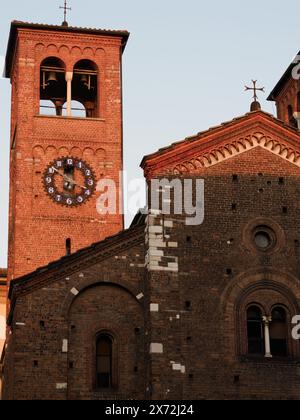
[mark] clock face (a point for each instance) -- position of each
(69, 181)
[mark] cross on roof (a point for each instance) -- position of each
(65, 8)
(255, 89)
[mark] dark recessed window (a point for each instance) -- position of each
(264, 238)
(255, 331)
(278, 333)
(104, 348)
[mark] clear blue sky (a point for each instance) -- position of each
(184, 68)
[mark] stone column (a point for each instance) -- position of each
(69, 78)
(267, 321)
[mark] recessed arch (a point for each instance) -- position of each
(85, 86)
(84, 285)
(53, 86)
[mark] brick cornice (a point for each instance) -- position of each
(223, 142)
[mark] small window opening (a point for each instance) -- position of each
(255, 331)
(104, 347)
(278, 333)
(68, 246)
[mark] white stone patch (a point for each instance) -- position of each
(176, 366)
(154, 307)
(173, 244)
(81, 275)
(65, 346)
(20, 324)
(155, 212)
(183, 369)
(155, 229)
(61, 386)
(157, 245)
(140, 296)
(156, 348)
(74, 291)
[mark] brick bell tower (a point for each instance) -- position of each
(66, 135)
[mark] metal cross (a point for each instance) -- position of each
(255, 89)
(65, 8)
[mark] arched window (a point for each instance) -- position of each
(292, 120)
(255, 331)
(85, 87)
(104, 362)
(278, 333)
(53, 86)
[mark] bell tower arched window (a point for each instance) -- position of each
(53, 87)
(278, 333)
(255, 331)
(85, 87)
(292, 120)
(104, 362)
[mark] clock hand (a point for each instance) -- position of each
(66, 178)
(75, 183)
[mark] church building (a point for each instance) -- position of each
(167, 309)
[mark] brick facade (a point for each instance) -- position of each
(175, 297)
(171, 299)
(38, 227)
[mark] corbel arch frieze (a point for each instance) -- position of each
(228, 150)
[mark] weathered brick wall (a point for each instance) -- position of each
(38, 226)
(193, 285)
(106, 296)
(198, 318)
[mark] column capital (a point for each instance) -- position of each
(69, 76)
(267, 319)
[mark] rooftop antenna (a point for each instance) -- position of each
(65, 8)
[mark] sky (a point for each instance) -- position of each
(185, 66)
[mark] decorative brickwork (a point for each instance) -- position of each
(38, 226)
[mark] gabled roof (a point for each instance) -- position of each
(286, 76)
(207, 140)
(80, 260)
(15, 25)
